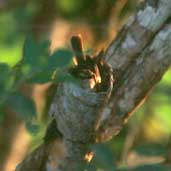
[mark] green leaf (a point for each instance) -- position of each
(155, 167)
(38, 65)
(22, 105)
(60, 58)
(6, 74)
(36, 52)
(35, 61)
(65, 77)
(6, 81)
(104, 157)
(41, 78)
(151, 150)
(23, 16)
(32, 128)
(152, 167)
(91, 167)
(4, 69)
(2, 114)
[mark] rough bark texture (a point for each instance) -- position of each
(136, 82)
(77, 110)
(139, 56)
(128, 54)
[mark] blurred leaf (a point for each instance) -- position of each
(162, 117)
(36, 53)
(35, 60)
(7, 33)
(5, 73)
(91, 167)
(73, 7)
(104, 157)
(129, 7)
(11, 39)
(2, 114)
(6, 81)
(60, 58)
(153, 167)
(117, 144)
(65, 77)
(11, 54)
(32, 128)
(163, 89)
(151, 149)
(20, 21)
(166, 80)
(41, 78)
(22, 105)
(23, 16)
(40, 63)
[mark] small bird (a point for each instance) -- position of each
(86, 67)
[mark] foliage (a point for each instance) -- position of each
(37, 66)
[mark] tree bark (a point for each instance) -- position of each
(139, 56)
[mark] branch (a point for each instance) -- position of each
(137, 34)
(137, 82)
(130, 46)
(47, 154)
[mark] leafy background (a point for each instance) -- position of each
(34, 52)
